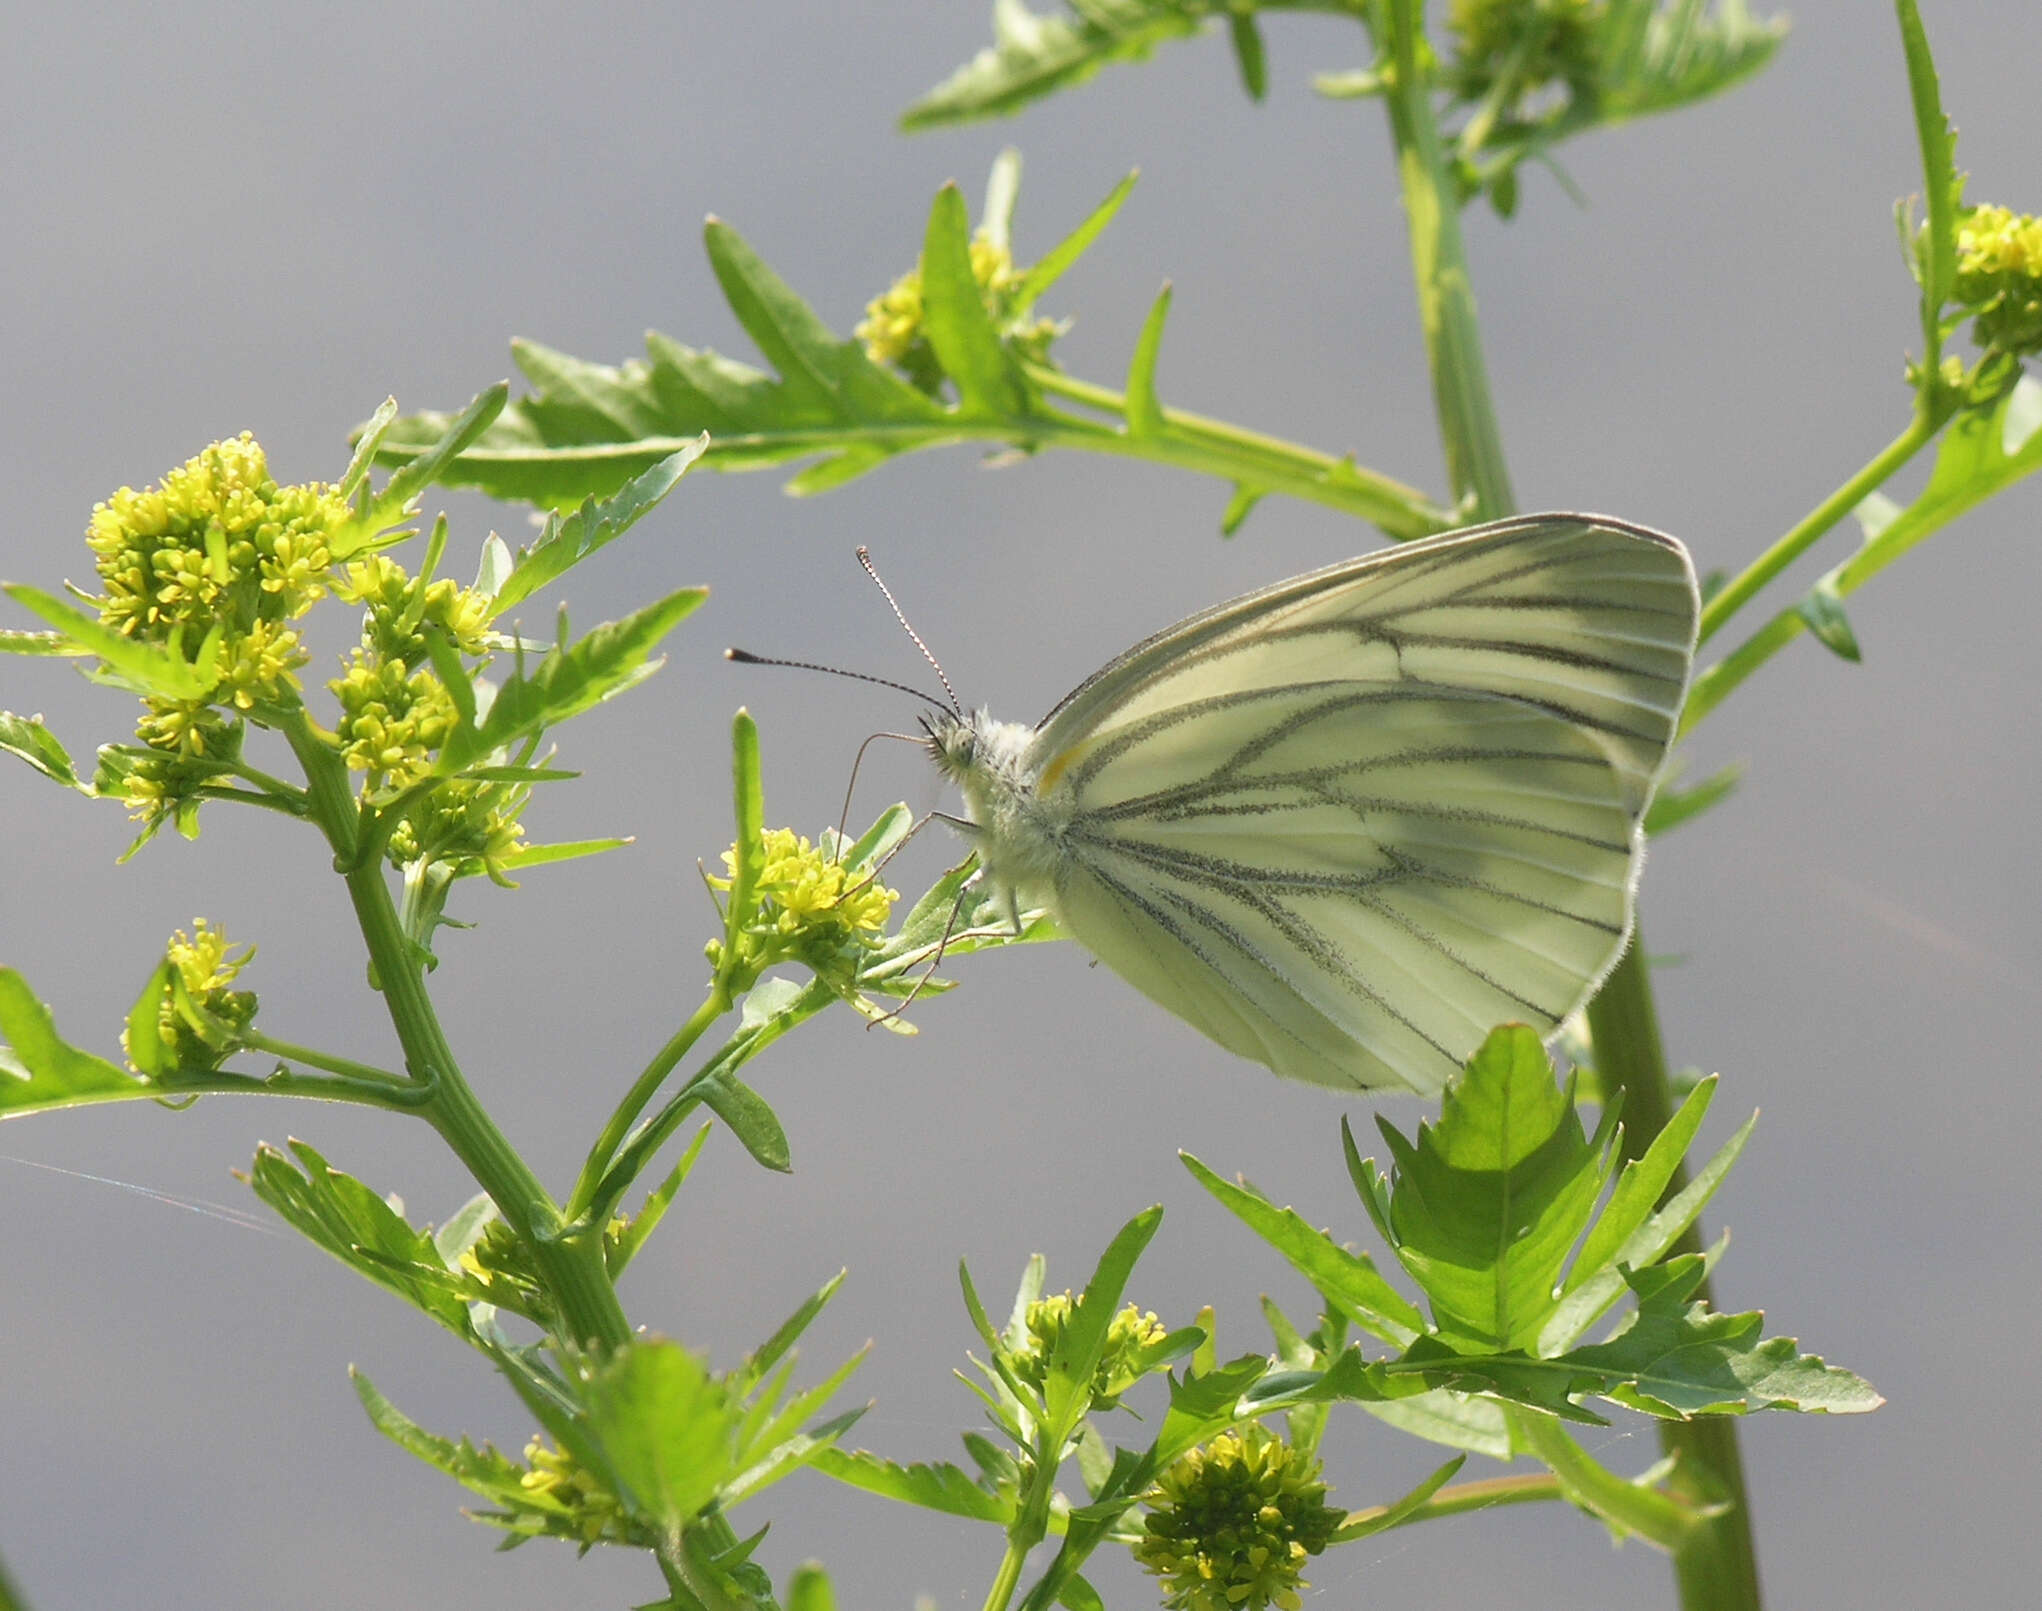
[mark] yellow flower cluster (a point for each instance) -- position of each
(393, 720)
(1999, 277)
(461, 821)
(811, 909)
(1119, 1368)
(394, 617)
(892, 326)
(599, 1516)
(216, 544)
(1232, 1523)
(205, 970)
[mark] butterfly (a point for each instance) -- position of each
(1346, 824)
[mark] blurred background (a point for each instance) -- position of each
(230, 216)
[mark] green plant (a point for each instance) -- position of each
(443, 714)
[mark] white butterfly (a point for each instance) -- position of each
(1348, 823)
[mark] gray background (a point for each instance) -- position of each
(256, 216)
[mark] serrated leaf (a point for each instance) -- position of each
(1068, 1372)
(143, 667)
(27, 737)
(1680, 1359)
(337, 1212)
(40, 643)
(1347, 1280)
(1942, 187)
(940, 1487)
(40, 1070)
(1486, 1204)
(1671, 807)
(570, 679)
(1034, 55)
(430, 463)
(568, 540)
(483, 1470)
(1822, 612)
(666, 1428)
(530, 856)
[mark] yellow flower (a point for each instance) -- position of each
(811, 909)
(1999, 277)
(205, 970)
(892, 326)
(1119, 1368)
(392, 721)
(1232, 1523)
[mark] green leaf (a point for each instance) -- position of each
(666, 1428)
(1672, 807)
(770, 1352)
(657, 1201)
(568, 540)
(1678, 1359)
(340, 1214)
(1248, 52)
(1486, 1204)
(749, 807)
(1050, 267)
(367, 438)
(1942, 186)
(1239, 506)
(571, 679)
(1144, 412)
(39, 1070)
(1348, 1281)
(1003, 189)
(484, 1471)
(940, 1487)
(530, 856)
(1068, 1372)
(1823, 612)
(955, 320)
(27, 737)
(1034, 55)
(1591, 1290)
(431, 463)
(40, 643)
(748, 1118)
(142, 667)
(808, 1589)
(1387, 1516)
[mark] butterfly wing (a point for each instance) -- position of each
(1347, 824)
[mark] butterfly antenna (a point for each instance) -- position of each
(744, 657)
(865, 559)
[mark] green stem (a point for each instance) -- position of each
(1667, 1522)
(572, 1265)
(642, 1091)
(11, 1598)
(1009, 1574)
(1489, 1494)
(361, 1073)
(1446, 300)
(1212, 447)
(1716, 1566)
(1920, 431)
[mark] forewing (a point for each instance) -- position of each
(1347, 825)
(1586, 617)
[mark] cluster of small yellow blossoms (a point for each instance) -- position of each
(462, 822)
(206, 971)
(892, 326)
(1120, 1366)
(395, 713)
(1232, 1523)
(392, 719)
(598, 1516)
(216, 544)
(1557, 39)
(812, 909)
(1999, 277)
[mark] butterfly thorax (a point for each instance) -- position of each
(1020, 845)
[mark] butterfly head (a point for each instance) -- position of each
(952, 743)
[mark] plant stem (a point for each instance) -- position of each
(642, 1091)
(1920, 430)
(1475, 464)
(1212, 447)
(1716, 1566)
(1490, 1493)
(11, 1598)
(572, 1265)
